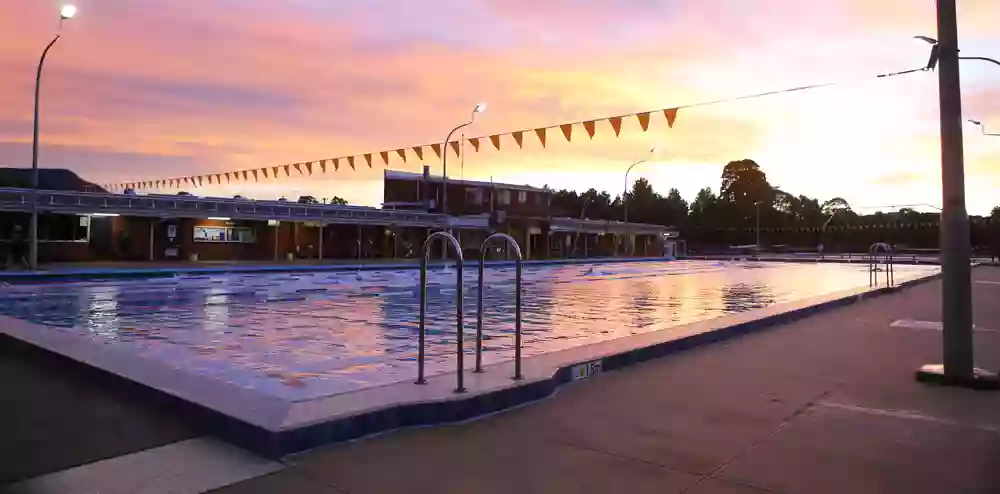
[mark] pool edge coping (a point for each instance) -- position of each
(435, 409)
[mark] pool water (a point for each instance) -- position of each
(305, 335)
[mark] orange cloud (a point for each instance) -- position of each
(153, 88)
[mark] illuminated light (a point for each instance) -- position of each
(219, 218)
(68, 11)
(104, 215)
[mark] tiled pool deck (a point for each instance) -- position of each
(822, 404)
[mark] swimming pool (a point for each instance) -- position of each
(300, 336)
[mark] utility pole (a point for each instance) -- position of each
(958, 368)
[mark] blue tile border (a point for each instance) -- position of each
(97, 274)
(279, 444)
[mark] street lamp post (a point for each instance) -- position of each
(481, 107)
(651, 152)
(757, 205)
(958, 368)
(982, 127)
(67, 12)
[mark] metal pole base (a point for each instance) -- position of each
(420, 381)
(460, 390)
(980, 380)
(478, 371)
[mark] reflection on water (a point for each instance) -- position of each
(306, 335)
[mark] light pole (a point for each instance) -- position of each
(481, 107)
(982, 127)
(958, 368)
(936, 52)
(67, 12)
(757, 243)
(649, 154)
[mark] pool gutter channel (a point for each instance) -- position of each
(95, 274)
(309, 424)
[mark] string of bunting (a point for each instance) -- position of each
(590, 127)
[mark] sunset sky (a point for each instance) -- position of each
(149, 89)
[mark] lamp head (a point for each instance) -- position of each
(925, 39)
(653, 150)
(975, 122)
(67, 11)
(481, 107)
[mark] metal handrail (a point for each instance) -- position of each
(459, 289)
(873, 262)
(517, 301)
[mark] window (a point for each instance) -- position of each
(60, 228)
(504, 197)
(474, 196)
(224, 234)
(522, 197)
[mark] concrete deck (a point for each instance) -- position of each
(824, 404)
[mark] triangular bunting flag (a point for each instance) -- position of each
(454, 147)
(385, 157)
(671, 114)
(336, 164)
(218, 178)
(567, 130)
(322, 166)
(540, 132)
(309, 167)
(616, 123)
(288, 171)
(643, 120)
(274, 171)
(350, 161)
(298, 168)
(590, 128)
(495, 139)
(229, 178)
(200, 181)
(368, 159)
(402, 154)
(255, 178)
(264, 171)
(420, 151)
(475, 143)
(437, 149)
(518, 138)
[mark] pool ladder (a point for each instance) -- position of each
(873, 263)
(459, 310)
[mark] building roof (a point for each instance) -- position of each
(400, 175)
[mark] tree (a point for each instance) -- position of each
(995, 213)
(835, 205)
(676, 209)
(338, 200)
(744, 184)
(704, 208)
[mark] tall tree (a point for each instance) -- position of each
(744, 183)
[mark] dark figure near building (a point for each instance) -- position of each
(16, 252)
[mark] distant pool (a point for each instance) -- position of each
(304, 335)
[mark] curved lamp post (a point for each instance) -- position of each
(935, 53)
(651, 152)
(67, 12)
(982, 127)
(481, 107)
